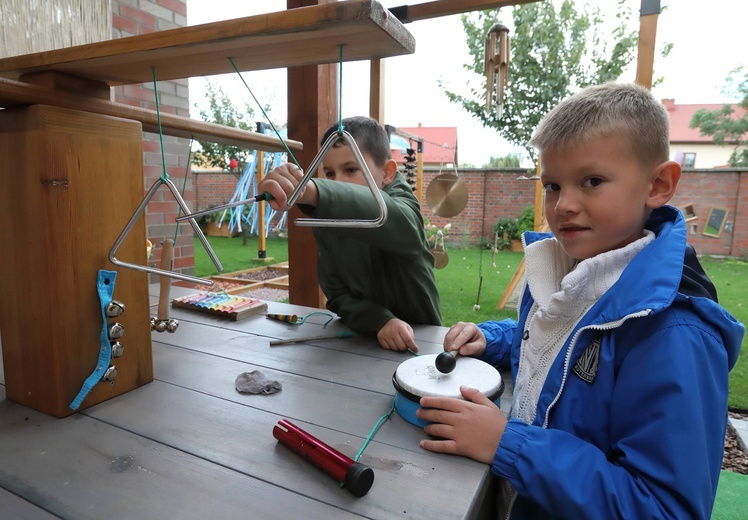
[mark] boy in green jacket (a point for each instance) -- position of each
(378, 280)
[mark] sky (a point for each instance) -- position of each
(708, 40)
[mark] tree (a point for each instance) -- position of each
(223, 112)
(510, 160)
(554, 52)
(724, 125)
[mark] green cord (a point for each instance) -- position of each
(378, 424)
(288, 150)
(340, 92)
(374, 430)
(164, 175)
(303, 318)
(184, 187)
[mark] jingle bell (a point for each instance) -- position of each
(117, 349)
(171, 325)
(160, 325)
(114, 309)
(153, 323)
(116, 331)
(110, 374)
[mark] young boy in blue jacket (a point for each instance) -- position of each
(378, 280)
(621, 353)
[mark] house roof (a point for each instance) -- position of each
(680, 119)
(439, 143)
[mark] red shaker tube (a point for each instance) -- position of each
(355, 477)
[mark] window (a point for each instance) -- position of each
(689, 160)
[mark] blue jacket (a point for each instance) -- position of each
(631, 420)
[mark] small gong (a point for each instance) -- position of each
(447, 195)
(441, 258)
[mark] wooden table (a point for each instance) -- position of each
(188, 445)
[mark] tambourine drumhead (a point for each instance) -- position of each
(419, 376)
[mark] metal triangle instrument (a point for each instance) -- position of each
(328, 222)
(138, 212)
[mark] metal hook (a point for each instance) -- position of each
(328, 222)
(195, 227)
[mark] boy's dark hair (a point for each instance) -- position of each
(370, 136)
(610, 107)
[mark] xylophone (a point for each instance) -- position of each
(234, 307)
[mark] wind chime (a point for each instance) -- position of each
(496, 66)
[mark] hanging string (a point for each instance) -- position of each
(340, 91)
(184, 187)
(164, 175)
(277, 133)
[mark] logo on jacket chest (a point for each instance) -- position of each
(588, 363)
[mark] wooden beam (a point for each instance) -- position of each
(295, 37)
(437, 8)
(650, 12)
(376, 90)
(312, 107)
(16, 93)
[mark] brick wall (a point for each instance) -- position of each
(493, 194)
(133, 17)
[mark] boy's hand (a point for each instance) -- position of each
(397, 335)
(465, 337)
(281, 182)
(472, 428)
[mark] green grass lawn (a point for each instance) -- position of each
(458, 286)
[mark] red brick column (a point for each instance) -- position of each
(130, 18)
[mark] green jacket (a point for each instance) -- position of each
(370, 276)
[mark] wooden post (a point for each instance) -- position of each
(71, 182)
(650, 11)
(312, 108)
(376, 90)
(261, 245)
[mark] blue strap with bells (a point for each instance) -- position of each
(105, 287)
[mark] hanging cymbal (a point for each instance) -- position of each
(447, 195)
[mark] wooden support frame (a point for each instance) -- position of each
(301, 39)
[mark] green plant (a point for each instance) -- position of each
(506, 229)
(509, 229)
(525, 220)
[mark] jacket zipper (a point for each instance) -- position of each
(572, 344)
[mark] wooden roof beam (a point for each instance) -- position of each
(437, 8)
(16, 93)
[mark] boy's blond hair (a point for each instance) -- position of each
(602, 109)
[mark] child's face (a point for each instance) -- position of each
(340, 165)
(596, 195)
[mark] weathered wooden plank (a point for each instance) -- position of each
(12, 506)
(16, 93)
(357, 362)
(290, 38)
(407, 483)
(437, 8)
(83, 468)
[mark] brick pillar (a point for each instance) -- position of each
(129, 18)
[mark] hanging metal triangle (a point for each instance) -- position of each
(153, 270)
(329, 222)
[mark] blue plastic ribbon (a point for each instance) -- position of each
(105, 288)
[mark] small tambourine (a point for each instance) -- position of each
(418, 377)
